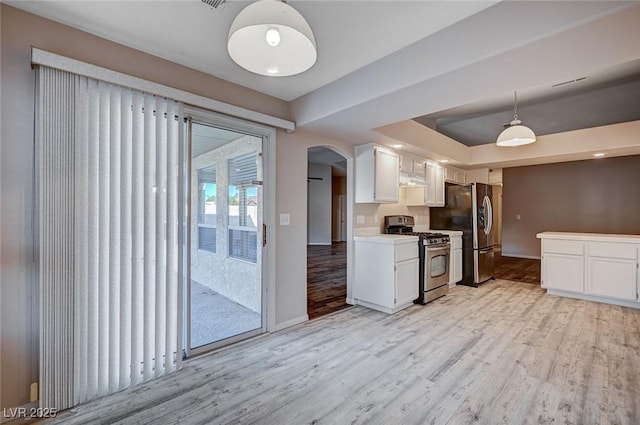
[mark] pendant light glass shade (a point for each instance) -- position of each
(516, 134)
(271, 38)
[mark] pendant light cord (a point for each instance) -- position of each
(515, 108)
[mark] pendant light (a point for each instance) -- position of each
(516, 134)
(271, 38)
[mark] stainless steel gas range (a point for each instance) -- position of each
(434, 250)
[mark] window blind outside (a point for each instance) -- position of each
(108, 227)
(243, 241)
(206, 221)
(243, 169)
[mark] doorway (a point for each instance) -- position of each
(326, 232)
(224, 285)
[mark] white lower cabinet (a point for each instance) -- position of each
(386, 272)
(592, 266)
(406, 283)
(455, 265)
(612, 270)
(564, 272)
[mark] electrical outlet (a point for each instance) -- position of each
(518, 217)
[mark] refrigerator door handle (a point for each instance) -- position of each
(486, 204)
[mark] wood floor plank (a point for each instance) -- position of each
(326, 279)
(501, 353)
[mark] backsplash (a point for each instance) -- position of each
(374, 215)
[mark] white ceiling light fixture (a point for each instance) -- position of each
(271, 38)
(516, 134)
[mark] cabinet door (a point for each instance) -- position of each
(406, 281)
(406, 164)
(386, 176)
(612, 277)
(457, 265)
(430, 183)
(563, 272)
(439, 187)
(434, 190)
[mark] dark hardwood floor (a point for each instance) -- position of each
(326, 279)
(517, 269)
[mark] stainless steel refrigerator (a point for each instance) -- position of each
(468, 208)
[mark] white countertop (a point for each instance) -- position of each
(390, 239)
(600, 237)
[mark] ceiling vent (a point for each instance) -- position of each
(569, 82)
(214, 3)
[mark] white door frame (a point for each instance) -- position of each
(342, 211)
(268, 135)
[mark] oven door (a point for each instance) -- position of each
(436, 266)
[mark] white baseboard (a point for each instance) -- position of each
(531, 257)
(292, 322)
(595, 298)
(319, 243)
(351, 301)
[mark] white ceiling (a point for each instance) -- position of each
(382, 62)
(349, 34)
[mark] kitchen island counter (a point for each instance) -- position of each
(593, 266)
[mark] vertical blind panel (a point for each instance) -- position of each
(137, 197)
(108, 215)
(149, 233)
(55, 129)
(171, 272)
(161, 222)
(126, 184)
(81, 278)
(114, 185)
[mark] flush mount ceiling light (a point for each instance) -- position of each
(516, 134)
(271, 38)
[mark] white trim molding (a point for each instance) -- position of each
(292, 322)
(53, 60)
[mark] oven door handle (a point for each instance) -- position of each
(439, 248)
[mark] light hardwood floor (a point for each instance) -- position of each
(503, 353)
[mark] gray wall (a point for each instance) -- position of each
(595, 196)
(319, 210)
(18, 309)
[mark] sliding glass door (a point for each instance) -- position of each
(224, 299)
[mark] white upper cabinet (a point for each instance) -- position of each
(432, 194)
(377, 174)
(454, 175)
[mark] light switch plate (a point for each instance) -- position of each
(285, 219)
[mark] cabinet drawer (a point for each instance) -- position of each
(456, 243)
(563, 247)
(612, 250)
(406, 251)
